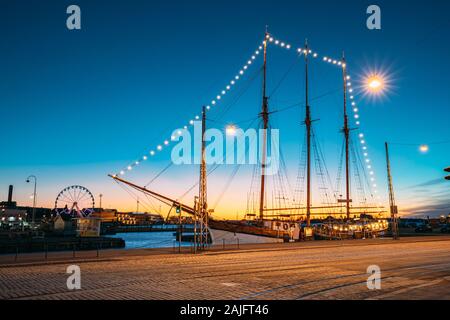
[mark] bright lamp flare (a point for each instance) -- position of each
(424, 148)
(375, 83)
(231, 130)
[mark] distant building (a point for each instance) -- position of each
(125, 219)
(146, 218)
(134, 218)
(9, 203)
(64, 225)
(184, 220)
(88, 227)
(105, 215)
(13, 219)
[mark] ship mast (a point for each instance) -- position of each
(265, 117)
(308, 124)
(346, 131)
(202, 204)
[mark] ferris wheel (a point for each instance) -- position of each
(75, 201)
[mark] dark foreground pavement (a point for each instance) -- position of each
(412, 268)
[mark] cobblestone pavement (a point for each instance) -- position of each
(410, 269)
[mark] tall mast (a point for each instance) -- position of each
(393, 207)
(265, 117)
(308, 124)
(346, 131)
(202, 194)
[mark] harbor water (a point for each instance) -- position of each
(143, 240)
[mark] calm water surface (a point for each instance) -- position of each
(140, 240)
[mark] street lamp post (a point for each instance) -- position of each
(34, 198)
(100, 196)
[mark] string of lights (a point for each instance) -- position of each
(354, 107)
(214, 102)
(361, 136)
(269, 39)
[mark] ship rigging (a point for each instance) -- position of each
(288, 208)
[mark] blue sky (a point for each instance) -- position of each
(77, 105)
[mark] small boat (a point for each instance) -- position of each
(351, 230)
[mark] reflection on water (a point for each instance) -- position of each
(141, 240)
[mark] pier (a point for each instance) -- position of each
(28, 245)
(411, 268)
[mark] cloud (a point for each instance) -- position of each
(429, 198)
(433, 210)
(429, 183)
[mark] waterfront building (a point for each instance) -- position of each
(64, 225)
(137, 218)
(13, 219)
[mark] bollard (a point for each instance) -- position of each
(238, 243)
(46, 251)
(17, 252)
(97, 251)
(223, 244)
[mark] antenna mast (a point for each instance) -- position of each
(393, 207)
(202, 204)
(265, 117)
(308, 124)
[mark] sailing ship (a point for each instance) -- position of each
(286, 224)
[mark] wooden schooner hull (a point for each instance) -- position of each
(244, 228)
(229, 232)
(224, 237)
